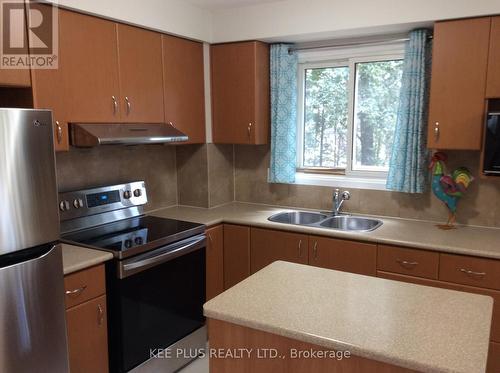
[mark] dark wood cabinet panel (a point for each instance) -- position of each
(493, 78)
(215, 261)
(236, 254)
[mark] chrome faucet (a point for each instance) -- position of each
(338, 200)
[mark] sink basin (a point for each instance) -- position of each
(298, 217)
(351, 223)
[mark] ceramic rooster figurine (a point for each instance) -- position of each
(448, 188)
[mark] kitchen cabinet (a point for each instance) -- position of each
(184, 87)
(240, 92)
(140, 72)
(458, 83)
(493, 358)
(493, 77)
(215, 261)
(407, 261)
(89, 58)
(15, 78)
(86, 320)
(236, 254)
(343, 255)
(267, 246)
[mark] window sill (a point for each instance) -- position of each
(341, 181)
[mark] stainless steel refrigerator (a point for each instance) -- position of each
(32, 318)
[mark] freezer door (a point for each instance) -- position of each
(29, 215)
(32, 314)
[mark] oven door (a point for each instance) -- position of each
(155, 300)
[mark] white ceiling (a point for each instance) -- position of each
(224, 4)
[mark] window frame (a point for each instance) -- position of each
(340, 57)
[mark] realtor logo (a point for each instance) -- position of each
(29, 35)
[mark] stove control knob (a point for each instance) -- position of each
(127, 194)
(64, 205)
(137, 193)
(138, 240)
(78, 203)
(128, 244)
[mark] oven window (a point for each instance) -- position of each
(155, 308)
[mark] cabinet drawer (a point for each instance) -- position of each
(470, 271)
(84, 285)
(408, 261)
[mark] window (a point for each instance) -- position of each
(348, 104)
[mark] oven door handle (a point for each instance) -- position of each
(167, 253)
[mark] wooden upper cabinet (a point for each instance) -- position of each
(240, 93)
(267, 246)
(183, 81)
(88, 52)
(140, 70)
(236, 254)
(215, 262)
(458, 83)
(342, 255)
(493, 79)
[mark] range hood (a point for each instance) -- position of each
(87, 135)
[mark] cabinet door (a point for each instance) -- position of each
(341, 255)
(184, 87)
(88, 337)
(493, 358)
(215, 261)
(236, 254)
(267, 246)
(88, 52)
(49, 93)
(458, 83)
(240, 92)
(141, 83)
(493, 78)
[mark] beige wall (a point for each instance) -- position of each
(84, 168)
(480, 206)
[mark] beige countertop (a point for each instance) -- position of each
(379, 319)
(468, 240)
(76, 258)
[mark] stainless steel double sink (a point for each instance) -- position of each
(320, 220)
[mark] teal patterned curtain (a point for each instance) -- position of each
(283, 114)
(408, 165)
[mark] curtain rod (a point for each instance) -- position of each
(351, 44)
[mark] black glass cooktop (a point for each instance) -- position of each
(135, 235)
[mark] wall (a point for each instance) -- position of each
(480, 205)
(296, 20)
(176, 17)
(155, 164)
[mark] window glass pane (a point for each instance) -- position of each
(375, 111)
(325, 117)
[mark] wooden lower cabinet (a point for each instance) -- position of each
(88, 337)
(215, 261)
(343, 255)
(267, 246)
(494, 358)
(236, 254)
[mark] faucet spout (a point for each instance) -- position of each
(338, 200)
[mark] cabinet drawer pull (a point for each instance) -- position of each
(436, 131)
(172, 124)
(406, 264)
(249, 129)
(59, 132)
(315, 250)
(300, 248)
(100, 315)
(210, 238)
(76, 292)
(115, 104)
(129, 106)
(472, 273)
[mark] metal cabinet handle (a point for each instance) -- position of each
(59, 132)
(407, 264)
(100, 315)
(249, 129)
(472, 273)
(315, 250)
(115, 104)
(129, 106)
(210, 238)
(300, 248)
(436, 131)
(76, 292)
(172, 124)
